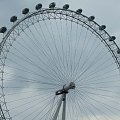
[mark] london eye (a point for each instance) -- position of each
(58, 64)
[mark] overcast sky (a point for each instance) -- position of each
(105, 11)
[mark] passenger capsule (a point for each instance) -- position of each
(52, 5)
(112, 38)
(3, 29)
(79, 11)
(38, 6)
(102, 27)
(118, 51)
(66, 6)
(25, 11)
(13, 18)
(91, 18)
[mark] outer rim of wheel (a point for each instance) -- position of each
(104, 36)
(78, 18)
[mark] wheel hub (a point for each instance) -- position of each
(66, 88)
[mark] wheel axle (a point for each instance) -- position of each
(65, 89)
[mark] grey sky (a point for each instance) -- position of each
(105, 12)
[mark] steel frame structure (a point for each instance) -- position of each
(2, 117)
(41, 15)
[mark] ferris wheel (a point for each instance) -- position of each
(58, 64)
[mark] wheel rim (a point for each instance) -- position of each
(69, 49)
